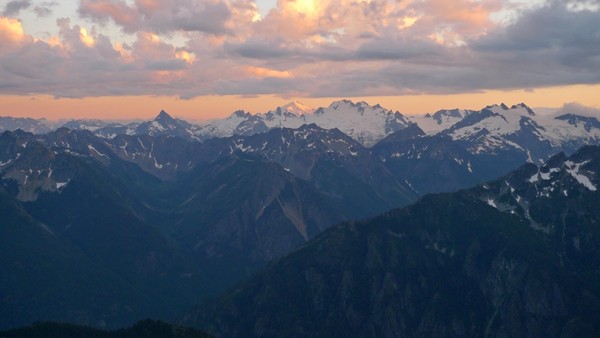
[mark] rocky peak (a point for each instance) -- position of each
(163, 116)
(522, 105)
(240, 114)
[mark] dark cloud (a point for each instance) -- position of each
(42, 12)
(44, 9)
(398, 49)
(13, 8)
(166, 17)
(549, 28)
(552, 45)
(257, 49)
(168, 65)
(209, 18)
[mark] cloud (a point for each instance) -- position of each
(11, 33)
(13, 8)
(305, 48)
(42, 12)
(261, 72)
(86, 63)
(208, 16)
(553, 40)
(577, 109)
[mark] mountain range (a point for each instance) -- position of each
(365, 123)
(128, 221)
(133, 227)
(462, 147)
(513, 257)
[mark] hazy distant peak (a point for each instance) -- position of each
(239, 113)
(346, 102)
(297, 108)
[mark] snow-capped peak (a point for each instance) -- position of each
(358, 106)
(440, 120)
(297, 108)
(502, 109)
(238, 114)
(365, 123)
(498, 127)
(496, 107)
(522, 106)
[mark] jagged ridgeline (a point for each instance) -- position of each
(104, 224)
(444, 151)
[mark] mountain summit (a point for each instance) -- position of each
(163, 116)
(365, 123)
(297, 108)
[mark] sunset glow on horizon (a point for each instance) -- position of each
(204, 59)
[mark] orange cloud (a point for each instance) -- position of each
(186, 56)
(266, 72)
(468, 18)
(408, 21)
(308, 8)
(11, 30)
(125, 54)
(54, 41)
(86, 38)
(166, 77)
(150, 48)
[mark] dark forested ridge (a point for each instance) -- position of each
(143, 329)
(517, 257)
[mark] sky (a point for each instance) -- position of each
(201, 59)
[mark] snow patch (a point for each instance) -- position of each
(157, 165)
(91, 148)
(534, 178)
(155, 126)
(410, 185)
(573, 169)
(61, 185)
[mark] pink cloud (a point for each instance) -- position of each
(304, 47)
(117, 10)
(208, 16)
